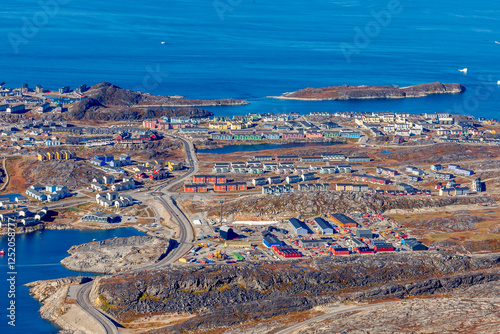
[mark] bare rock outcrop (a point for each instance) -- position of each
(347, 92)
(112, 255)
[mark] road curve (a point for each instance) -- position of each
(83, 300)
(186, 237)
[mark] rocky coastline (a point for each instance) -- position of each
(348, 92)
(115, 255)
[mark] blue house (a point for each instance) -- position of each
(97, 162)
(124, 157)
(108, 158)
(50, 188)
(117, 163)
(272, 135)
(37, 187)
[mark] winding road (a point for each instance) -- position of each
(184, 242)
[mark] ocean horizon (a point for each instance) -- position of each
(252, 49)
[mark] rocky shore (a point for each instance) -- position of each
(118, 254)
(107, 102)
(63, 311)
(347, 92)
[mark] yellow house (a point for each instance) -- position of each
(218, 126)
(40, 157)
(58, 155)
(50, 155)
(174, 165)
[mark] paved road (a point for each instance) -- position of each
(83, 300)
(184, 242)
(328, 315)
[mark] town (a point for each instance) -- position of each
(253, 189)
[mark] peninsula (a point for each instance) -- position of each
(347, 92)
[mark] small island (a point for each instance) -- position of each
(347, 92)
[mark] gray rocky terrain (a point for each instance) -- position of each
(345, 202)
(227, 295)
(441, 315)
(112, 255)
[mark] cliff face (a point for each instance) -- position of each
(347, 92)
(223, 295)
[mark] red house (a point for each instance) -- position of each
(140, 175)
(199, 178)
(220, 187)
(195, 188)
(233, 186)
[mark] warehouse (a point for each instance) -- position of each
(383, 247)
(299, 227)
(364, 234)
(270, 240)
(415, 245)
(287, 252)
(343, 221)
(308, 244)
(324, 226)
(227, 233)
(101, 217)
(340, 250)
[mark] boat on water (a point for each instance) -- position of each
(463, 70)
(498, 82)
(496, 42)
(2, 252)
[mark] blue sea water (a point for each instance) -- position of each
(38, 257)
(251, 49)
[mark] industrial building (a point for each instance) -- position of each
(287, 252)
(324, 226)
(298, 226)
(314, 243)
(270, 240)
(101, 217)
(364, 234)
(343, 221)
(227, 233)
